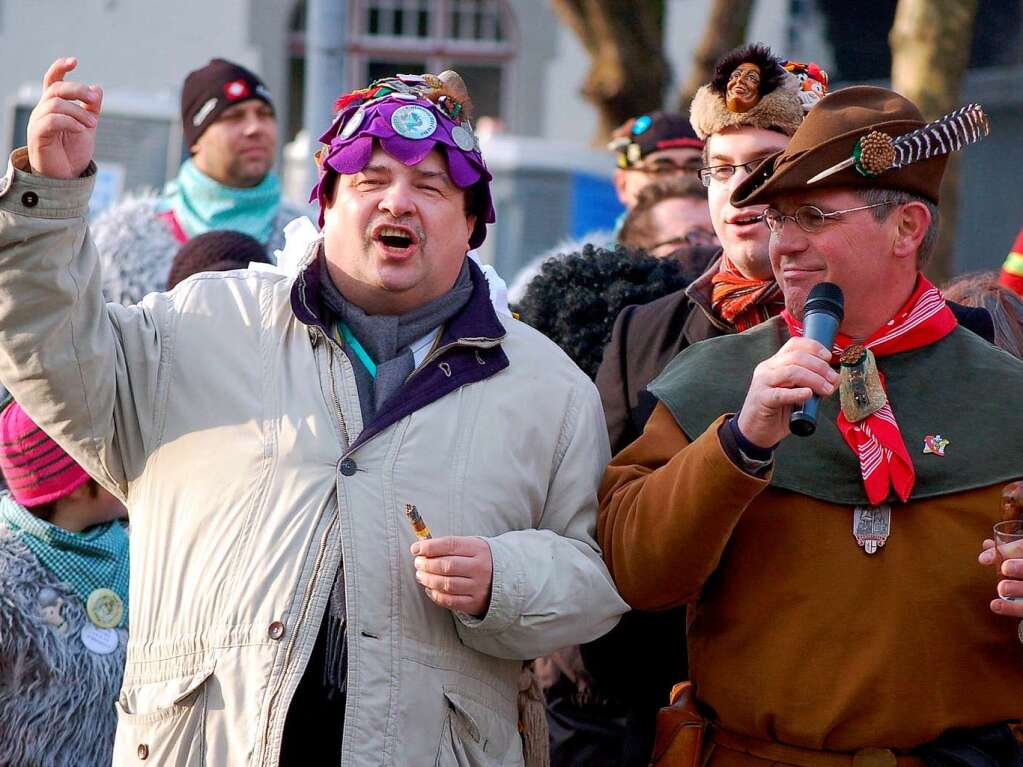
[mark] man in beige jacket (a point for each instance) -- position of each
(268, 433)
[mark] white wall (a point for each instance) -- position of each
(137, 46)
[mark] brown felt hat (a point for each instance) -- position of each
(828, 135)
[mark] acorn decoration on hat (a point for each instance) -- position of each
(878, 152)
(750, 88)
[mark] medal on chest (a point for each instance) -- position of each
(871, 526)
(105, 609)
(859, 388)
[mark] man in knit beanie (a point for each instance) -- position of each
(229, 123)
(63, 615)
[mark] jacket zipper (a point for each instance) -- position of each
(331, 348)
(323, 541)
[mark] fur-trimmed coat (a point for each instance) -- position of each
(56, 696)
(136, 247)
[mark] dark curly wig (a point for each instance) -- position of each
(575, 299)
(772, 74)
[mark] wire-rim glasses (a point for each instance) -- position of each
(722, 173)
(809, 218)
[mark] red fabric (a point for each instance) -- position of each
(175, 226)
(35, 468)
(1013, 282)
(677, 143)
(884, 461)
(742, 301)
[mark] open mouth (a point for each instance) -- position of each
(746, 219)
(397, 237)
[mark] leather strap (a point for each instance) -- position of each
(804, 757)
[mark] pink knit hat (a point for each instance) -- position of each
(35, 467)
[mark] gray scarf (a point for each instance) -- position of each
(387, 340)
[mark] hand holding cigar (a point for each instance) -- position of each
(456, 571)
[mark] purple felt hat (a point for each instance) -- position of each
(408, 116)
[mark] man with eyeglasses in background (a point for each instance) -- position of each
(669, 216)
(737, 290)
(652, 148)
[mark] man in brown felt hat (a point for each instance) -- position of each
(838, 613)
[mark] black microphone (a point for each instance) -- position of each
(822, 315)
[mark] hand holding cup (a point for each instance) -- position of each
(1005, 550)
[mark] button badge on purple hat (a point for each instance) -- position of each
(414, 122)
(353, 123)
(463, 138)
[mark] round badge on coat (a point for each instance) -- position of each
(413, 122)
(105, 608)
(98, 640)
(463, 138)
(353, 123)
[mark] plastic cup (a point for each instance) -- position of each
(1006, 533)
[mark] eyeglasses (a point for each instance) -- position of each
(809, 218)
(692, 237)
(722, 173)
(666, 168)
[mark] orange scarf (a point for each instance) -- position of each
(742, 301)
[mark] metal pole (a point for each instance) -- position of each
(325, 35)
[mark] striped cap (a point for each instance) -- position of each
(35, 467)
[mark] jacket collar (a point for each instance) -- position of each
(476, 321)
(469, 349)
(700, 291)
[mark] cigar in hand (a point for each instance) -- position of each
(418, 525)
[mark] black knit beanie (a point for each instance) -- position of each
(212, 89)
(219, 251)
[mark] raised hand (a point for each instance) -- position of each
(62, 127)
(795, 373)
(457, 572)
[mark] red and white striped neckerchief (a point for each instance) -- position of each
(884, 461)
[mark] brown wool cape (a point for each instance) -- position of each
(796, 634)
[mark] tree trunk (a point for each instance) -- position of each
(930, 42)
(725, 30)
(625, 40)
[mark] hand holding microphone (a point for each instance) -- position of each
(797, 372)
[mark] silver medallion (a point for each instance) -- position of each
(463, 138)
(871, 526)
(413, 121)
(353, 123)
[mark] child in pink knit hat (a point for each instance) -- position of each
(63, 616)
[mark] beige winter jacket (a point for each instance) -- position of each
(229, 426)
